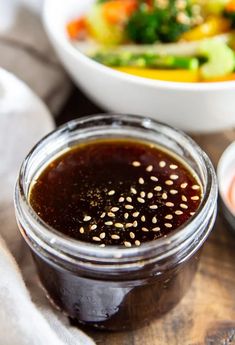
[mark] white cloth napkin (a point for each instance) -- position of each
(26, 316)
(26, 52)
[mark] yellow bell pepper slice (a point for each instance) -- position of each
(183, 76)
(211, 27)
(228, 77)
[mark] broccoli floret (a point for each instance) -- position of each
(165, 24)
(143, 27)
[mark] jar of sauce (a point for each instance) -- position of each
(115, 210)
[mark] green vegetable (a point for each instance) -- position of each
(221, 60)
(146, 60)
(102, 31)
(143, 27)
(160, 24)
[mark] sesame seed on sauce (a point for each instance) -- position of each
(116, 192)
(149, 168)
(111, 192)
(133, 190)
(93, 227)
(102, 235)
(136, 164)
(162, 164)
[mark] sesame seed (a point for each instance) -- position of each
(141, 180)
(126, 215)
(111, 192)
(183, 206)
(168, 225)
(121, 199)
(183, 185)
(174, 177)
(156, 229)
(183, 197)
(115, 237)
(170, 204)
(154, 178)
(154, 220)
(178, 212)
(118, 225)
(158, 188)
(162, 164)
(195, 197)
(103, 215)
(173, 166)
(141, 200)
(192, 213)
(145, 230)
(102, 245)
(111, 214)
(114, 209)
(136, 164)
(168, 216)
(129, 207)
(137, 243)
(127, 244)
(133, 190)
(129, 225)
(129, 199)
(164, 196)
(142, 219)
(135, 214)
(97, 239)
(150, 195)
(93, 227)
(142, 194)
(132, 235)
(102, 235)
(149, 168)
(135, 224)
(108, 223)
(87, 218)
(173, 191)
(81, 230)
(153, 207)
(169, 182)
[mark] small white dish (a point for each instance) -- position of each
(201, 107)
(226, 175)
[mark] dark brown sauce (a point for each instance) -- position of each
(116, 192)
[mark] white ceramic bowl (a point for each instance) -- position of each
(191, 107)
(225, 173)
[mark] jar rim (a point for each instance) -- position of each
(54, 241)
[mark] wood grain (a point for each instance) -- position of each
(206, 315)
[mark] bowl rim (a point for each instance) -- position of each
(225, 157)
(65, 44)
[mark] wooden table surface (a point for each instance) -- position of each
(206, 315)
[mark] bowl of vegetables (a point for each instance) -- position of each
(172, 60)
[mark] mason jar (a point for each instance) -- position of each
(116, 288)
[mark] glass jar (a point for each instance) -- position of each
(116, 288)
